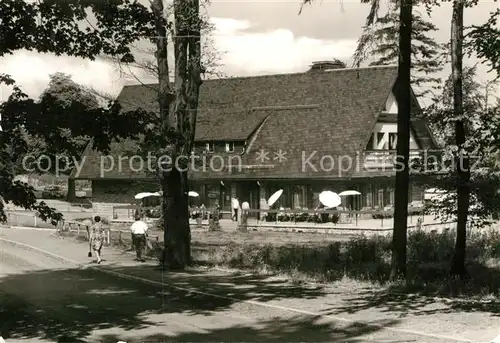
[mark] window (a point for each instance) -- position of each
(380, 138)
(212, 195)
(393, 140)
(369, 196)
(380, 199)
(209, 147)
(230, 147)
(370, 146)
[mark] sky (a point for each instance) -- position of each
(250, 38)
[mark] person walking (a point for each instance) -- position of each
(236, 206)
(139, 231)
(96, 240)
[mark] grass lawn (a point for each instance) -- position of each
(326, 258)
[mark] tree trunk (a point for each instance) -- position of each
(403, 94)
(187, 83)
(175, 253)
(71, 195)
(462, 163)
(177, 235)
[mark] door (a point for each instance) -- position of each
(249, 191)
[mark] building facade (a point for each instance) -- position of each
(324, 129)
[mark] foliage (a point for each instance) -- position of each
(365, 258)
(484, 40)
(482, 125)
(380, 39)
(440, 114)
(63, 28)
(65, 93)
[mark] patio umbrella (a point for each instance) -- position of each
(329, 199)
(347, 193)
(193, 194)
(273, 198)
(143, 195)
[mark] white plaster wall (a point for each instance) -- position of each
(387, 128)
(391, 106)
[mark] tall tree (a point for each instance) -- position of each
(178, 105)
(463, 162)
(62, 28)
(482, 129)
(379, 41)
(65, 91)
(403, 97)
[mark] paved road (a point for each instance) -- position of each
(43, 299)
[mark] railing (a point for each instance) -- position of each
(285, 220)
(385, 159)
(301, 216)
(61, 207)
(316, 217)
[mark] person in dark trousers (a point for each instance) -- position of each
(139, 230)
(236, 206)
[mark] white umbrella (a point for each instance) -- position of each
(193, 194)
(347, 193)
(273, 198)
(143, 195)
(329, 199)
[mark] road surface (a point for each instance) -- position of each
(43, 299)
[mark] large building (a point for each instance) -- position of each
(326, 128)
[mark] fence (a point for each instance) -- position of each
(303, 217)
(313, 220)
(61, 206)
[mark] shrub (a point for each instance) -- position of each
(430, 247)
(362, 257)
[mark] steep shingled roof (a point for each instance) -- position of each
(322, 113)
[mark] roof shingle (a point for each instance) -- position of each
(328, 113)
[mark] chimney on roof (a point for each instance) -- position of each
(327, 65)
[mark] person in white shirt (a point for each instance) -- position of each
(236, 206)
(244, 211)
(139, 230)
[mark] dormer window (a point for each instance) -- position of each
(210, 147)
(230, 147)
